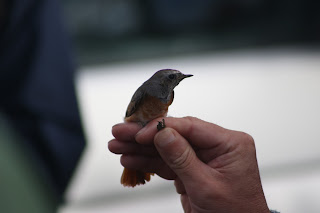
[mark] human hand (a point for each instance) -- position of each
(215, 169)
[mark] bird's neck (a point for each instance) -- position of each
(161, 91)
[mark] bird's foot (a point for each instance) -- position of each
(161, 125)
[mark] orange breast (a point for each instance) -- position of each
(149, 109)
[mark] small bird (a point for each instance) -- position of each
(151, 100)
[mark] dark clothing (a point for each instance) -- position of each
(36, 87)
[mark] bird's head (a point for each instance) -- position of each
(169, 78)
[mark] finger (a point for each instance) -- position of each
(207, 154)
(185, 203)
(121, 147)
(148, 164)
(177, 153)
(197, 132)
(125, 131)
(179, 186)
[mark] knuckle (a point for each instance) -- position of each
(246, 140)
(189, 122)
(191, 118)
(241, 139)
(183, 161)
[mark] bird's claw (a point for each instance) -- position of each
(161, 125)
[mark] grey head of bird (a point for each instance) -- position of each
(162, 83)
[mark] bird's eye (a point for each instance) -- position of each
(172, 76)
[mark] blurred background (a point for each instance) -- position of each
(107, 31)
(258, 61)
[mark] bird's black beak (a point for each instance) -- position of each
(183, 76)
(187, 76)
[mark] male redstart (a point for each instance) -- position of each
(150, 101)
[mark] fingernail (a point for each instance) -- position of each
(119, 124)
(164, 137)
(115, 126)
(138, 138)
(141, 131)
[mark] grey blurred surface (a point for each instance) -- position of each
(273, 94)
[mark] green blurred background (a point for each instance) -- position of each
(106, 31)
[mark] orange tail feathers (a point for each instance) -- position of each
(132, 178)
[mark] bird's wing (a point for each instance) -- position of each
(135, 102)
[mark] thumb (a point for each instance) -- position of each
(178, 155)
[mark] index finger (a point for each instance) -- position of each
(125, 131)
(199, 133)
